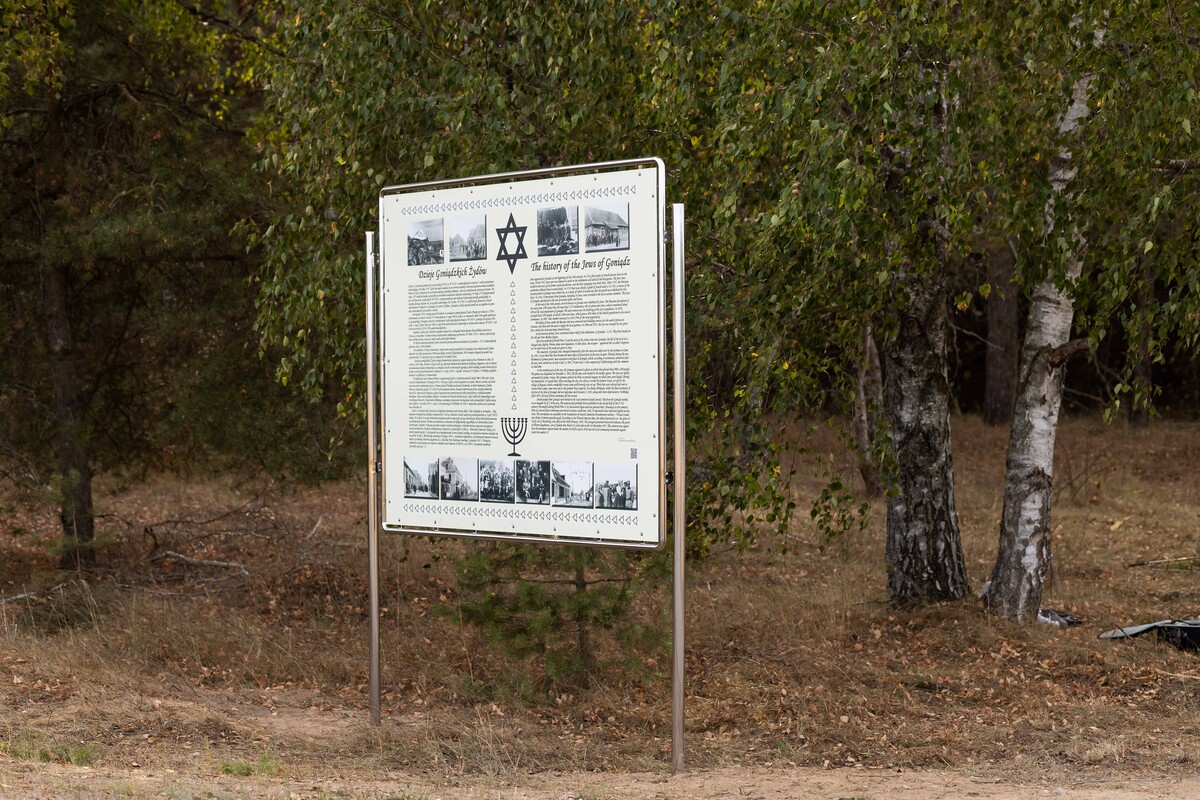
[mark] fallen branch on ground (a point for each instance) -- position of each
(29, 595)
(200, 562)
(1154, 561)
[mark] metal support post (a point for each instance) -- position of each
(373, 476)
(679, 528)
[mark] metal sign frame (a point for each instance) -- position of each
(374, 330)
(513, 179)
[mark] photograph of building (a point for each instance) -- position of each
(496, 481)
(558, 231)
(606, 226)
(616, 485)
(426, 242)
(468, 238)
(571, 484)
(460, 479)
(421, 476)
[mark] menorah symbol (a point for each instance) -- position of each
(514, 429)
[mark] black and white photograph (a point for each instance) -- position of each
(558, 231)
(460, 478)
(533, 482)
(571, 484)
(468, 238)
(606, 227)
(616, 485)
(426, 242)
(496, 483)
(421, 476)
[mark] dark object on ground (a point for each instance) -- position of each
(1046, 616)
(1059, 619)
(1183, 633)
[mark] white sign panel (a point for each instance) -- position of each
(521, 356)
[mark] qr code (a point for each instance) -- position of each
(633, 453)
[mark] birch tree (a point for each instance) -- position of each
(1015, 589)
(1120, 220)
(858, 143)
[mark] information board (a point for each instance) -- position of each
(521, 355)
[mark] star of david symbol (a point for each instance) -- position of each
(504, 254)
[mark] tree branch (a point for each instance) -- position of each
(1154, 561)
(1059, 355)
(26, 595)
(1178, 166)
(229, 27)
(199, 562)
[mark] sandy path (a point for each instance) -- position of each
(20, 780)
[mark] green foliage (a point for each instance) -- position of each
(836, 513)
(31, 745)
(860, 144)
(1137, 187)
(418, 91)
(31, 47)
(549, 603)
(373, 94)
(125, 159)
(267, 763)
(484, 87)
(829, 153)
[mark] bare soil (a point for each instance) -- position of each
(221, 652)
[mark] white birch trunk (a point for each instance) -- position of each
(1024, 556)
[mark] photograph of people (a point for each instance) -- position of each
(571, 484)
(533, 482)
(558, 231)
(421, 476)
(616, 485)
(496, 483)
(460, 479)
(468, 238)
(606, 226)
(426, 242)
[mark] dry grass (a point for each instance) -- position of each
(792, 658)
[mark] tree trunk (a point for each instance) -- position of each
(75, 475)
(868, 400)
(924, 550)
(1003, 310)
(587, 658)
(1143, 375)
(1024, 555)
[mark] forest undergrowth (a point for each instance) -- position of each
(225, 633)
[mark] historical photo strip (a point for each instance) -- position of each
(460, 478)
(468, 238)
(421, 476)
(426, 242)
(532, 482)
(558, 231)
(616, 485)
(606, 227)
(496, 481)
(571, 484)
